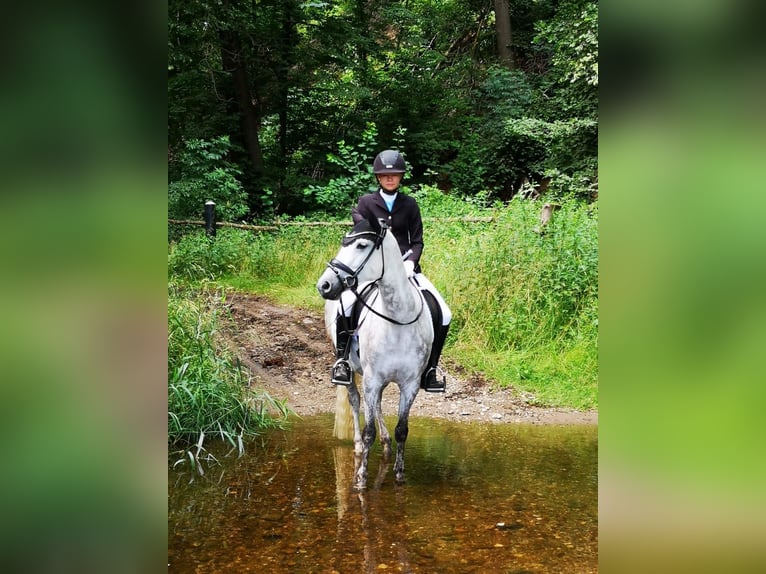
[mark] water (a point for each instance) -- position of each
(477, 498)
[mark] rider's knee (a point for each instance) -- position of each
(348, 300)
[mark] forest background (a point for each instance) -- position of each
(277, 108)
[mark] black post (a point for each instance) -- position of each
(210, 218)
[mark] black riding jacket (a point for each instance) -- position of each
(403, 220)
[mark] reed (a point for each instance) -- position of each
(208, 394)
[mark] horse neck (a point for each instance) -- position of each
(397, 294)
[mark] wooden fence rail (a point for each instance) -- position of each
(278, 224)
(211, 224)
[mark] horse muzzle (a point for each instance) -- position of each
(329, 285)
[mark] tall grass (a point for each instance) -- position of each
(281, 264)
(525, 304)
(208, 394)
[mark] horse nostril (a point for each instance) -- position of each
(325, 286)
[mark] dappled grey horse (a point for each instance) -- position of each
(394, 333)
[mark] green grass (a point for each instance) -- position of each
(554, 378)
(525, 305)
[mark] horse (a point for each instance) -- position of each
(394, 334)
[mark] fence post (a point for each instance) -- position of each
(210, 218)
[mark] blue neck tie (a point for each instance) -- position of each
(389, 199)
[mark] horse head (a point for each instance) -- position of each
(353, 263)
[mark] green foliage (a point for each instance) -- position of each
(341, 193)
(317, 73)
(539, 145)
(580, 185)
(525, 304)
(246, 260)
(208, 395)
(509, 145)
(203, 173)
(197, 256)
(573, 36)
(569, 42)
(434, 203)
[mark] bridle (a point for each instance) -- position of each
(351, 280)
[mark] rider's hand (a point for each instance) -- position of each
(409, 267)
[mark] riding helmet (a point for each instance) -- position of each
(388, 161)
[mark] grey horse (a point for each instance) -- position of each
(393, 338)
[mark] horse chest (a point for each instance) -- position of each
(393, 350)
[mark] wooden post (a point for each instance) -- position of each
(546, 214)
(210, 218)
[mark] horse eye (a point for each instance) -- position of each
(361, 245)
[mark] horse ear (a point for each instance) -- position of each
(376, 225)
(362, 228)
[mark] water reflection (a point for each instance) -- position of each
(477, 498)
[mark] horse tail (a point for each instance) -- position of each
(344, 422)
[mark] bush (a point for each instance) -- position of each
(341, 193)
(203, 174)
(525, 305)
(198, 256)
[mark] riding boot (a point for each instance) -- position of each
(430, 381)
(341, 370)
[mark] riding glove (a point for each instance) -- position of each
(409, 267)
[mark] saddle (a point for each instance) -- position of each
(434, 308)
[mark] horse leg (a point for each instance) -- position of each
(406, 398)
(353, 399)
(385, 465)
(371, 406)
(385, 436)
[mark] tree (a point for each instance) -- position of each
(503, 31)
(573, 35)
(232, 58)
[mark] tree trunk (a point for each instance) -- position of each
(362, 22)
(282, 72)
(250, 121)
(503, 33)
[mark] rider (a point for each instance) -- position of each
(402, 215)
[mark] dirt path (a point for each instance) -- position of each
(289, 355)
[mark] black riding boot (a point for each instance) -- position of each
(429, 381)
(341, 370)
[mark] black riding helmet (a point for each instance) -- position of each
(388, 161)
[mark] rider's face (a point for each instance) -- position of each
(389, 181)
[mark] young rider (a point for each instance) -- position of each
(402, 215)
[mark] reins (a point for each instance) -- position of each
(350, 282)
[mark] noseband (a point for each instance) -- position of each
(351, 280)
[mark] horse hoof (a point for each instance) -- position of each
(399, 478)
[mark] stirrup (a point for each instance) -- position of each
(431, 382)
(341, 373)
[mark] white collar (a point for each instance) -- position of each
(388, 196)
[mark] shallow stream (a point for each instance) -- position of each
(484, 498)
